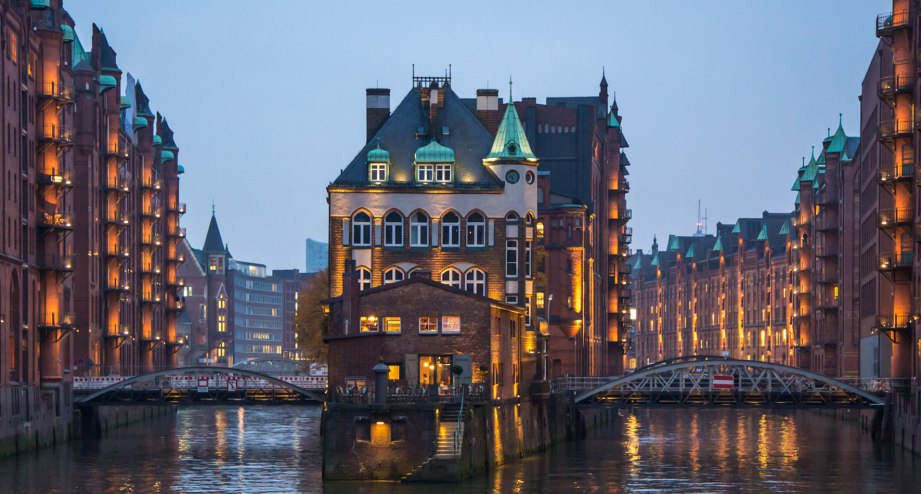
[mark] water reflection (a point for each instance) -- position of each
(276, 449)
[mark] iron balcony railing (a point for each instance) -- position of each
(56, 133)
(887, 22)
(901, 260)
(893, 217)
(117, 284)
(896, 322)
(890, 129)
(56, 262)
(55, 178)
(890, 86)
(118, 218)
(54, 220)
(177, 232)
(120, 183)
(56, 91)
(151, 184)
(897, 173)
(151, 239)
(56, 321)
(116, 250)
(150, 268)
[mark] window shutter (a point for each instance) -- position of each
(435, 227)
(411, 369)
(346, 230)
(492, 232)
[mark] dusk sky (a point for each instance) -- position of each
(720, 100)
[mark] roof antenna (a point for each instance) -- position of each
(212, 207)
(414, 72)
(510, 100)
(700, 224)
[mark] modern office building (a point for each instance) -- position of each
(317, 256)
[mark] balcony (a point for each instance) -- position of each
(150, 212)
(114, 250)
(117, 149)
(898, 322)
(180, 208)
(889, 22)
(826, 225)
(152, 239)
(903, 173)
(890, 218)
(118, 218)
(151, 184)
(827, 252)
(829, 305)
(120, 184)
(150, 269)
(893, 85)
(179, 258)
(54, 179)
(178, 307)
(57, 92)
(55, 221)
(54, 321)
(628, 235)
(625, 294)
(150, 297)
(623, 215)
(891, 129)
(57, 263)
(176, 282)
(56, 134)
(903, 260)
(177, 232)
(117, 285)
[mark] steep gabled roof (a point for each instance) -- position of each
(399, 135)
(106, 53)
(143, 102)
(214, 243)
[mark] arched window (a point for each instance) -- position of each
(476, 230)
(364, 278)
(450, 230)
(529, 219)
(392, 275)
(475, 281)
(419, 230)
(393, 230)
(512, 217)
(451, 277)
(361, 229)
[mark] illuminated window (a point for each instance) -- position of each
(450, 325)
(527, 314)
(393, 230)
(540, 300)
(364, 278)
(187, 291)
(511, 258)
(369, 324)
(428, 325)
(221, 323)
(222, 349)
(13, 45)
(451, 277)
(221, 302)
(450, 230)
(419, 230)
(392, 325)
(377, 172)
(475, 281)
(540, 230)
(425, 173)
(476, 230)
(443, 173)
(216, 264)
(394, 372)
(361, 229)
(392, 275)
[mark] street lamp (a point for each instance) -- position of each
(549, 299)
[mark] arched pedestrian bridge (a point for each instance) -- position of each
(202, 384)
(714, 380)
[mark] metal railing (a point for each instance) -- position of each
(889, 217)
(889, 86)
(893, 322)
(56, 90)
(411, 394)
(892, 128)
(888, 21)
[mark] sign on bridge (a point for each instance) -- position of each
(723, 382)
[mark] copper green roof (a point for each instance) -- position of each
(672, 243)
(125, 102)
(434, 153)
(510, 143)
(180, 170)
(655, 260)
(107, 53)
(763, 234)
(797, 199)
(166, 156)
(106, 82)
(737, 228)
(140, 123)
(157, 140)
(79, 54)
(796, 182)
(612, 120)
(811, 170)
(785, 229)
(143, 102)
(379, 155)
(839, 140)
(690, 252)
(718, 246)
(41, 4)
(68, 33)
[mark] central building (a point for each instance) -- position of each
(433, 190)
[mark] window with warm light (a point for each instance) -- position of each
(394, 373)
(425, 173)
(450, 325)
(377, 172)
(392, 325)
(540, 300)
(428, 325)
(369, 324)
(221, 323)
(216, 264)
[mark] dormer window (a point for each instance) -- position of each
(443, 173)
(377, 172)
(425, 173)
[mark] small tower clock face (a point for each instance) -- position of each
(512, 177)
(529, 177)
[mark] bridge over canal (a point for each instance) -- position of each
(715, 380)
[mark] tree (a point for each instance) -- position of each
(310, 320)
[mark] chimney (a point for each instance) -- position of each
(350, 313)
(378, 109)
(487, 108)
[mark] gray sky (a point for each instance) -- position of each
(720, 99)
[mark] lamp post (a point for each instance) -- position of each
(549, 299)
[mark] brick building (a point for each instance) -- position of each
(709, 294)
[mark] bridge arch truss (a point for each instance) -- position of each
(222, 384)
(690, 381)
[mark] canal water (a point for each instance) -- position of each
(276, 449)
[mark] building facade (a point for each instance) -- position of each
(317, 255)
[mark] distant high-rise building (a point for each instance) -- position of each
(317, 256)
